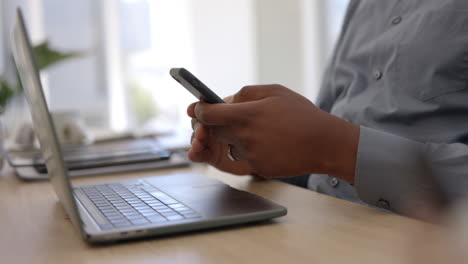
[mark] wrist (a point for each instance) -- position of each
(343, 139)
(349, 149)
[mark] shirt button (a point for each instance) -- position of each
(378, 75)
(396, 20)
(334, 182)
(384, 204)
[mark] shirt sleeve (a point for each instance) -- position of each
(396, 173)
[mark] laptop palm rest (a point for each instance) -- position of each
(210, 197)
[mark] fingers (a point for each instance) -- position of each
(229, 99)
(201, 133)
(222, 114)
(201, 156)
(215, 114)
(199, 151)
(194, 122)
(257, 92)
(218, 157)
(237, 107)
(197, 146)
(226, 134)
(191, 110)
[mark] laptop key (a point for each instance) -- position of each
(160, 206)
(112, 215)
(107, 209)
(154, 202)
(149, 209)
(139, 221)
(163, 197)
(156, 206)
(186, 212)
(184, 209)
(120, 222)
(121, 205)
(142, 208)
(122, 225)
(106, 226)
(124, 207)
(168, 213)
(115, 220)
(174, 217)
(129, 215)
(192, 216)
(177, 205)
(109, 212)
(127, 210)
(165, 210)
(135, 217)
(157, 219)
(149, 214)
(136, 202)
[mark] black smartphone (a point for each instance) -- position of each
(195, 86)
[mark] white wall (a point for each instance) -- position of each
(224, 43)
(316, 45)
(280, 45)
(275, 41)
(76, 84)
(291, 43)
(2, 49)
(7, 13)
(31, 10)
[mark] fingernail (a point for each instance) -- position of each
(197, 146)
(197, 125)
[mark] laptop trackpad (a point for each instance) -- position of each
(208, 196)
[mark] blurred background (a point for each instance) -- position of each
(120, 80)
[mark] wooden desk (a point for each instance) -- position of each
(317, 229)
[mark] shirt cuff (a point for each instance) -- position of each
(389, 169)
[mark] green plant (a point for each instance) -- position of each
(142, 101)
(45, 57)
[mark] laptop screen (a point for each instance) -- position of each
(42, 121)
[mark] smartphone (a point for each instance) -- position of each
(195, 86)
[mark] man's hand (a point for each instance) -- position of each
(206, 147)
(275, 132)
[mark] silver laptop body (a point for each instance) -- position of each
(137, 208)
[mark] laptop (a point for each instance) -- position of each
(100, 158)
(135, 208)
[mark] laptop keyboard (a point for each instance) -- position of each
(135, 204)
